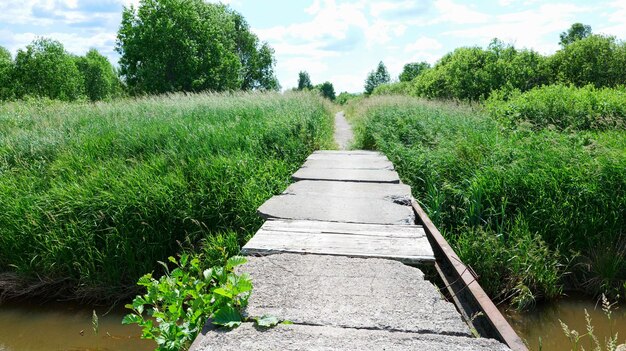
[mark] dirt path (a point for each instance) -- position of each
(343, 131)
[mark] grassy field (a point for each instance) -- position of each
(92, 195)
(523, 206)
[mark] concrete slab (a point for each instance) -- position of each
(326, 338)
(336, 209)
(349, 292)
(347, 152)
(399, 193)
(348, 164)
(407, 244)
(347, 175)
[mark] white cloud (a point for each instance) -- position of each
(537, 28)
(452, 12)
(616, 25)
(423, 44)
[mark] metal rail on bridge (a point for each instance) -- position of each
(469, 297)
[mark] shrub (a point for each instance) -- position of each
(45, 69)
(598, 60)
(397, 88)
(473, 73)
(562, 107)
(100, 77)
(6, 74)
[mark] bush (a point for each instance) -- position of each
(472, 73)
(398, 88)
(597, 60)
(6, 75)
(100, 77)
(344, 97)
(45, 69)
(562, 107)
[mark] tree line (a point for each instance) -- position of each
(164, 46)
(472, 73)
(326, 89)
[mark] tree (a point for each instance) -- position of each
(46, 69)
(304, 81)
(6, 72)
(412, 70)
(191, 45)
(597, 60)
(256, 58)
(327, 90)
(100, 77)
(576, 32)
(376, 78)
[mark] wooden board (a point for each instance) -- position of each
(406, 244)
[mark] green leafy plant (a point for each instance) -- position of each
(176, 306)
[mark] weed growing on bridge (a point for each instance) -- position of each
(178, 304)
(521, 205)
(92, 195)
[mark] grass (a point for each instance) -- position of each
(561, 107)
(92, 195)
(522, 206)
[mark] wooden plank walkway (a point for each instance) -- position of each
(331, 259)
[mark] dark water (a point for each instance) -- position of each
(55, 327)
(543, 322)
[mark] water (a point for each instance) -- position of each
(543, 322)
(56, 327)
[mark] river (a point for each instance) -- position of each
(66, 326)
(542, 322)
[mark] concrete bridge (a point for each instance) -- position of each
(338, 257)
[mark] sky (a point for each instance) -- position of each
(334, 40)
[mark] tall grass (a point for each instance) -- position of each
(561, 107)
(521, 206)
(94, 194)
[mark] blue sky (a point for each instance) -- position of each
(334, 40)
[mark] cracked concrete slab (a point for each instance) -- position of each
(399, 193)
(404, 243)
(351, 163)
(336, 209)
(326, 338)
(347, 153)
(349, 292)
(347, 175)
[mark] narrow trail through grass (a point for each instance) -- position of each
(343, 131)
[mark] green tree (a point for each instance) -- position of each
(256, 58)
(46, 69)
(6, 72)
(191, 45)
(327, 90)
(101, 80)
(376, 78)
(304, 81)
(597, 60)
(344, 97)
(412, 70)
(576, 32)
